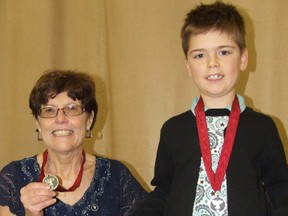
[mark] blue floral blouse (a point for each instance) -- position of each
(112, 192)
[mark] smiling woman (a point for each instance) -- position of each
(65, 179)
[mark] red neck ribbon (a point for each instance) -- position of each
(216, 178)
(60, 188)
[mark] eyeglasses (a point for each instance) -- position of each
(52, 111)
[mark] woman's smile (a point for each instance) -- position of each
(62, 132)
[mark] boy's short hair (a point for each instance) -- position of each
(217, 16)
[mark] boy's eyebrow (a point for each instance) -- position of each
(227, 46)
(195, 50)
(219, 47)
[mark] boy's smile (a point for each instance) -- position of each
(214, 61)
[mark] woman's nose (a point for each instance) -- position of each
(61, 115)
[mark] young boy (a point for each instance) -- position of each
(220, 157)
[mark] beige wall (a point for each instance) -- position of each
(132, 49)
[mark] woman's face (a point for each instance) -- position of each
(64, 133)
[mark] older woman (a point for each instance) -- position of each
(64, 179)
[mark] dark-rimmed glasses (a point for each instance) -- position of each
(69, 110)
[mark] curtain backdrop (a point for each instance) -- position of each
(133, 51)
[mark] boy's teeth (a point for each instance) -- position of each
(62, 132)
(214, 77)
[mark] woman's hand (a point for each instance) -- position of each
(35, 197)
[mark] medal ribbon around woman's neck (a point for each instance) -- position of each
(216, 178)
(53, 181)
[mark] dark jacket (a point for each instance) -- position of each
(257, 167)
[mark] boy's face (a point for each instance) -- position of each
(214, 61)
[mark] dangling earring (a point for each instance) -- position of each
(99, 135)
(88, 134)
(38, 135)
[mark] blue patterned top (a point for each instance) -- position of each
(113, 190)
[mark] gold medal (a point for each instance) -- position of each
(52, 181)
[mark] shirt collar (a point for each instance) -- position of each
(240, 99)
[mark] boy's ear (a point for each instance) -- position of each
(244, 60)
(187, 67)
